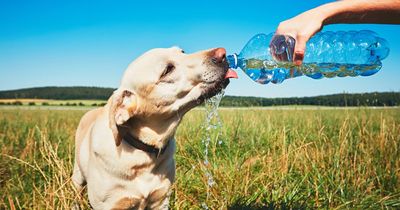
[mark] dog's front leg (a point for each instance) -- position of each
(162, 204)
(79, 182)
(77, 178)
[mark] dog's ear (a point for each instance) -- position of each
(122, 108)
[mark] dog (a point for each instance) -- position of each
(124, 151)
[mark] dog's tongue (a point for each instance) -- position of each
(231, 74)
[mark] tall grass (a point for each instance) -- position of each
(37, 159)
(274, 159)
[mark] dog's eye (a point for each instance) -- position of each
(168, 69)
(182, 51)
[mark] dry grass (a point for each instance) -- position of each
(271, 159)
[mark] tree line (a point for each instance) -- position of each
(97, 93)
(59, 93)
(343, 99)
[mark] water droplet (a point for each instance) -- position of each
(204, 206)
(206, 162)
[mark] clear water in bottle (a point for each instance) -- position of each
(268, 58)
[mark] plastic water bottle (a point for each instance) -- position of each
(268, 58)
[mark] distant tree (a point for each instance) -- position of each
(17, 103)
(343, 99)
(61, 93)
(31, 103)
(45, 103)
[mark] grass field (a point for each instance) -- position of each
(268, 159)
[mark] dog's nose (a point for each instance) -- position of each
(218, 55)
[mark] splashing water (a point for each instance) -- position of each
(211, 127)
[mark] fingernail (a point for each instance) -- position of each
(297, 62)
(298, 58)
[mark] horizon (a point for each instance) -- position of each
(360, 93)
(91, 43)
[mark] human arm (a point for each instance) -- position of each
(306, 24)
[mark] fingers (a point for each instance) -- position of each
(299, 49)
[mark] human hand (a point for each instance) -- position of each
(301, 28)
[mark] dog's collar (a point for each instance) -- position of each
(134, 142)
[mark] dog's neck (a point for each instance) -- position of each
(155, 133)
(138, 144)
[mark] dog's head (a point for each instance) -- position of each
(160, 86)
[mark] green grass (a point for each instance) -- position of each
(269, 159)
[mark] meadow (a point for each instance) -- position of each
(261, 159)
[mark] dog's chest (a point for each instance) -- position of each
(143, 192)
(134, 176)
(124, 162)
(143, 185)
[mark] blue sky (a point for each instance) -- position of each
(90, 43)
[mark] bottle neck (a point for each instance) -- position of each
(232, 61)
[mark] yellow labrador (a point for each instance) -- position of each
(124, 150)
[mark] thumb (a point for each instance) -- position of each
(299, 50)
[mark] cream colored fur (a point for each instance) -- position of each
(156, 90)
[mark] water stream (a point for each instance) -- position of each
(212, 129)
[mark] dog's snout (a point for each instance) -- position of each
(218, 55)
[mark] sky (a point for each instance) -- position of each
(90, 43)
